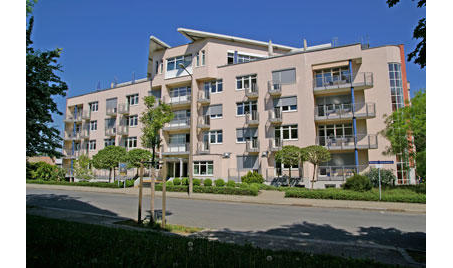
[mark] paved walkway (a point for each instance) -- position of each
(264, 197)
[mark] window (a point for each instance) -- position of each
(179, 139)
(157, 67)
(284, 76)
(161, 66)
(286, 132)
(248, 162)
(243, 108)
(203, 168)
(241, 57)
(402, 169)
(198, 58)
(132, 99)
(77, 146)
(92, 145)
(287, 104)
(180, 92)
(335, 130)
(396, 86)
(213, 137)
(243, 82)
(108, 142)
(93, 106)
(203, 58)
(173, 63)
(214, 111)
(213, 86)
(94, 125)
(331, 76)
(246, 134)
(132, 120)
(131, 142)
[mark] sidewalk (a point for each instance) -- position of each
(264, 197)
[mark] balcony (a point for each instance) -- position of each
(71, 118)
(111, 111)
(123, 108)
(177, 149)
(252, 92)
(364, 141)
(204, 122)
(110, 131)
(252, 146)
(69, 154)
(332, 112)
(275, 144)
(123, 130)
(72, 136)
(252, 119)
(274, 88)
(86, 114)
(203, 148)
(85, 133)
(338, 173)
(178, 102)
(178, 125)
(275, 116)
(204, 97)
(342, 83)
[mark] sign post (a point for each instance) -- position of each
(378, 166)
(123, 172)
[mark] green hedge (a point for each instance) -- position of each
(129, 183)
(389, 195)
(100, 246)
(211, 190)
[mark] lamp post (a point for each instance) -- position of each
(190, 165)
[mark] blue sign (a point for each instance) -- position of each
(380, 162)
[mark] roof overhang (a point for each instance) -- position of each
(155, 43)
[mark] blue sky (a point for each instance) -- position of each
(103, 39)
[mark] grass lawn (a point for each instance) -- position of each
(58, 243)
(173, 228)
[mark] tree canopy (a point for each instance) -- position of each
(135, 156)
(82, 168)
(316, 155)
(109, 158)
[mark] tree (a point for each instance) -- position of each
(289, 155)
(316, 155)
(109, 158)
(136, 156)
(42, 84)
(406, 131)
(419, 53)
(82, 168)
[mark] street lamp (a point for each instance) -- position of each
(190, 165)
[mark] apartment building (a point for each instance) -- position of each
(237, 101)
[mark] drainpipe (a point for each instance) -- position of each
(354, 121)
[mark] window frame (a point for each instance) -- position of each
(132, 99)
(132, 119)
(94, 104)
(95, 124)
(243, 78)
(290, 128)
(131, 140)
(251, 104)
(206, 164)
(92, 145)
(106, 141)
(179, 59)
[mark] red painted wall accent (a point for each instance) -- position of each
(403, 74)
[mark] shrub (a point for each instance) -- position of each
(196, 182)
(207, 182)
(243, 185)
(358, 183)
(177, 181)
(219, 183)
(44, 171)
(387, 177)
(185, 181)
(170, 183)
(231, 183)
(252, 177)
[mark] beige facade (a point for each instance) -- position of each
(247, 99)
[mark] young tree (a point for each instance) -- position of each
(82, 168)
(136, 156)
(42, 84)
(289, 155)
(316, 155)
(109, 158)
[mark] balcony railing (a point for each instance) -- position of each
(85, 133)
(173, 149)
(86, 114)
(204, 97)
(361, 79)
(252, 91)
(252, 118)
(110, 131)
(275, 116)
(123, 108)
(73, 136)
(204, 122)
(275, 144)
(344, 111)
(178, 101)
(338, 173)
(252, 146)
(70, 118)
(203, 148)
(274, 88)
(111, 111)
(179, 124)
(123, 130)
(364, 141)
(69, 154)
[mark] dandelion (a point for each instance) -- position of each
(190, 244)
(269, 258)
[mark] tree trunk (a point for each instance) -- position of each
(313, 180)
(289, 178)
(153, 187)
(110, 175)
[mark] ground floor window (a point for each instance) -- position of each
(92, 145)
(108, 142)
(402, 169)
(131, 142)
(203, 168)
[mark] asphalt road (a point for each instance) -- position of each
(384, 228)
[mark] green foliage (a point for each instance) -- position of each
(358, 183)
(252, 177)
(83, 183)
(135, 156)
(244, 185)
(170, 183)
(387, 177)
(109, 158)
(207, 182)
(289, 155)
(45, 172)
(30, 5)
(231, 183)
(43, 84)
(177, 181)
(212, 189)
(185, 181)
(219, 183)
(196, 182)
(316, 155)
(82, 169)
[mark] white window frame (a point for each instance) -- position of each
(249, 103)
(290, 128)
(215, 134)
(197, 56)
(132, 99)
(203, 163)
(177, 60)
(93, 125)
(290, 108)
(132, 121)
(335, 127)
(108, 142)
(131, 141)
(209, 85)
(203, 58)
(94, 106)
(92, 145)
(249, 77)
